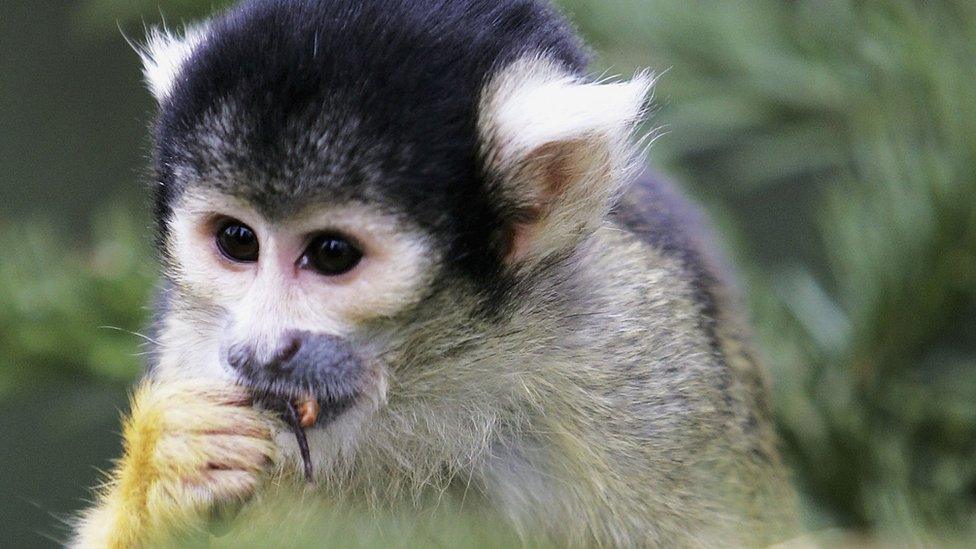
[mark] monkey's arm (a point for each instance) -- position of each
(188, 446)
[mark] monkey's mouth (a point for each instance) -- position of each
(303, 413)
(309, 382)
(319, 391)
(309, 410)
(303, 403)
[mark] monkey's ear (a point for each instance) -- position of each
(557, 151)
(164, 55)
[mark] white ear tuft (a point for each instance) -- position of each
(558, 150)
(546, 108)
(164, 55)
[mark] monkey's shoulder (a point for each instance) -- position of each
(679, 245)
(679, 250)
(657, 214)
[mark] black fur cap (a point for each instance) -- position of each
(286, 102)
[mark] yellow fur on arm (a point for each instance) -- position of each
(188, 445)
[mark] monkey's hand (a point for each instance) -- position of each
(189, 445)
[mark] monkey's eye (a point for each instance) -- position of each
(331, 254)
(237, 242)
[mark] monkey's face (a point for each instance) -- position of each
(298, 306)
(344, 214)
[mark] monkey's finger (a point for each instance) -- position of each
(238, 452)
(188, 456)
(225, 485)
(185, 497)
(206, 418)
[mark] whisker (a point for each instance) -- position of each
(137, 334)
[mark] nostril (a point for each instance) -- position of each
(239, 357)
(291, 350)
(286, 353)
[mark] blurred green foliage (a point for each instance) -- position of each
(72, 312)
(835, 144)
(99, 16)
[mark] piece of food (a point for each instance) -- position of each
(308, 411)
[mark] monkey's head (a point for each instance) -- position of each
(352, 195)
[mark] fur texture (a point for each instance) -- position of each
(189, 445)
(559, 345)
(165, 54)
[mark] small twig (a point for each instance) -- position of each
(291, 416)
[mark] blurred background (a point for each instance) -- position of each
(833, 143)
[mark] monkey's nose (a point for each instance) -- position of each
(244, 357)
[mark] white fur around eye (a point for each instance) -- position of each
(395, 271)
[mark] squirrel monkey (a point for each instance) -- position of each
(422, 226)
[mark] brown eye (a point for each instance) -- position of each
(237, 242)
(331, 255)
